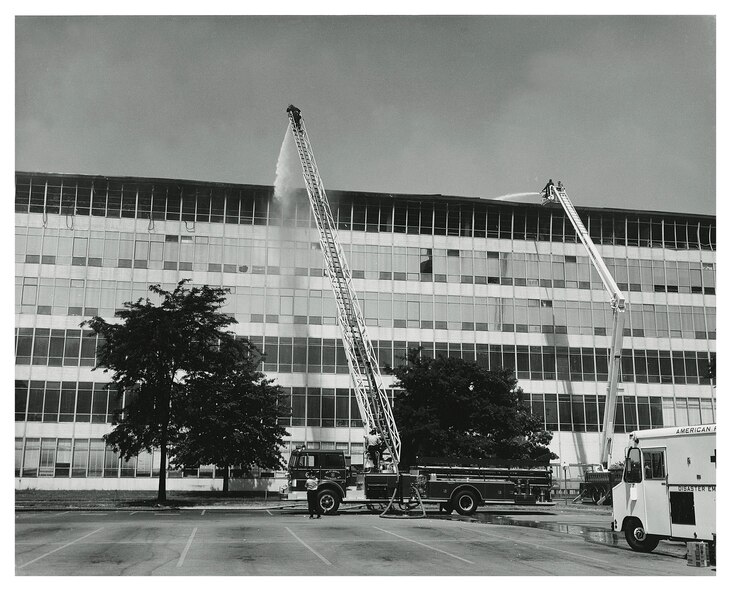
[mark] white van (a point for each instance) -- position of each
(668, 487)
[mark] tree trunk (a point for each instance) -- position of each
(161, 495)
(225, 479)
(161, 491)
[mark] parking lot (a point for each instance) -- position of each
(275, 542)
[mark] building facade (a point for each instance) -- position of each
(498, 283)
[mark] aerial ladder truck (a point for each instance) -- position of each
(460, 486)
(598, 484)
(373, 403)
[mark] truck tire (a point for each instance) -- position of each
(328, 501)
(638, 539)
(465, 502)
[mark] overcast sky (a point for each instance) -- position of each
(621, 109)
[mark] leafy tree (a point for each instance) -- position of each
(452, 407)
(231, 416)
(161, 354)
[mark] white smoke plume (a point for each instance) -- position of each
(287, 173)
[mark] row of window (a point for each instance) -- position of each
(565, 412)
(84, 458)
(237, 204)
(229, 255)
(58, 402)
(65, 402)
(57, 347)
(77, 297)
(84, 402)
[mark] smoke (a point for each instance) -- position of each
(287, 173)
(515, 196)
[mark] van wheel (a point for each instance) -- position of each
(328, 501)
(465, 502)
(638, 539)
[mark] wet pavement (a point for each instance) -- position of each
(594, 529)
(285, 542)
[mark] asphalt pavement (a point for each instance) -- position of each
(279, 542)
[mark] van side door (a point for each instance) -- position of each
(655, 489)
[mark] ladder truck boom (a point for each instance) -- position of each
(373, 402)
(557, 194)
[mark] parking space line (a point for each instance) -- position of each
(187, 547)
(60, 548)
(133, 512)
(542, 546)
(203, 512)
(62, 513)
(425, 545)
(315, 552)
(270, 513)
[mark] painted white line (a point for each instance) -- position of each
(133, 512)
(315, 552)
(542, 546)
(91, 513)
(425, 545)
(60, 548)
(203, 512)
(187, 547)
(62, 513)
(171, 514)
(270, 513)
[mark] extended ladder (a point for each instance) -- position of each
(373, 403)
(555, 194)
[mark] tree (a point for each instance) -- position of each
(156, 353)
(452, 407)
(231, 416)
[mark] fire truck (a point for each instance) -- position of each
(600, 479)
(668, 487)
(454, 484)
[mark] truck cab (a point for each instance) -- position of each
(330, 469)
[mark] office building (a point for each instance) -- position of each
(500, 283)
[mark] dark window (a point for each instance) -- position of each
(633, 466)
(21, 398)
(22, 193)
(682, 508)
(332, 460)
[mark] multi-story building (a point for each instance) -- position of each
(499, 283)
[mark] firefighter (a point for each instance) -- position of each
(311, 485)
(373, 445)
(546, 192)
(295, 114)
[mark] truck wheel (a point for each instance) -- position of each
(638, 539)
(446, 507)
(328, 501)
(596, 494)
(465, 502)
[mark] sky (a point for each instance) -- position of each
(620, 108)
